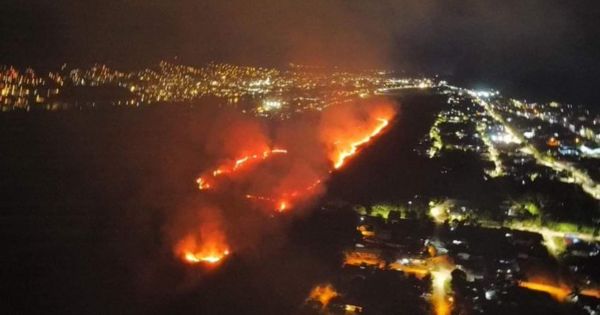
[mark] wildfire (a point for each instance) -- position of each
(283, 205)
(284, 201)
(202, 184)
(212, 250)
(351, 148)
(208, 258)
(342, 129)
(323, 293)
(261, 198)
(280, 205)
(203, 181)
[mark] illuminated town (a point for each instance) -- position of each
(260, 91)
(497, 250)
(313, 157)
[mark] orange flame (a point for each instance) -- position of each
(344, 131)
(207, 258)
(248, 196)
(323, 293)
(280, 205)
(284, 202)
(211, 250)
(283, 205)
(347, 150)
(203, 182)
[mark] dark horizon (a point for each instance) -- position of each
(538, 49)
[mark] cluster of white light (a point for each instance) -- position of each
(589, 151)
(503, 137)
(484, 94)
(264, 82)
(269, 105)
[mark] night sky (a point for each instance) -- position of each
(543, 49)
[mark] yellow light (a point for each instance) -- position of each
(439, 283)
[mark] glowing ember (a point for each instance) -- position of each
(240, 162)
(283, 205)
(314, 185)
(218, 172)
(353, 147)
(259, 198)
(279, 151)
(280, 206)
(323, 293)
(202, 184)
(284, 202)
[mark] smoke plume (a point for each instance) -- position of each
(262, 170)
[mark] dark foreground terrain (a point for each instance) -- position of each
(85, 197)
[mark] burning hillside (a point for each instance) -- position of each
(207, 243)
(345, 130)
(204, 181)
(279, 168)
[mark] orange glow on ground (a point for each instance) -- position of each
(285, 201)
(440, 268)
(351, 148)
(591, 292)
(418, 272)
(260, 198)
(323, 293)
(279, 205)
(440, 295)
(211, 251)
(559, 293)
(442, 307)
(358, 258)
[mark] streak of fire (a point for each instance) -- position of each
(344, 142)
